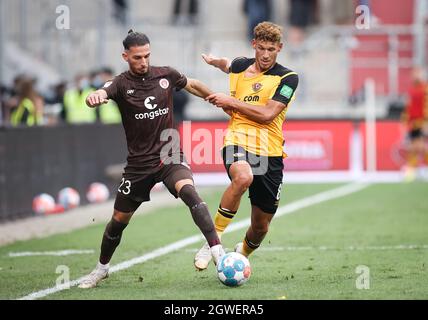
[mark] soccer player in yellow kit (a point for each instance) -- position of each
(260, 92)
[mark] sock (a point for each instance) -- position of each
(111, 239)
(200, 213)
(103, 266)
(222, 219)
(249, 247)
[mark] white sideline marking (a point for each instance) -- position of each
(287, 209)
(324, 248)
(49, 253)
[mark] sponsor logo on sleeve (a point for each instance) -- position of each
(107, 84)
(286, 91)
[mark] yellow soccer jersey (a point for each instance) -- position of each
(278, 83)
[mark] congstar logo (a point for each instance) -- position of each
(152, 114)
(149, 104)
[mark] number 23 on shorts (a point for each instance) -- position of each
(125, 186)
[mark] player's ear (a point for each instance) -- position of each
(253, 43)
(280, 45)
(125, 55)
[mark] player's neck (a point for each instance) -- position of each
(256, 69)
(139, 75)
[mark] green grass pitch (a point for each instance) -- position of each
(312, 253)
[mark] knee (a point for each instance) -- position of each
(260, 228)
(243, 181)
(122, 217)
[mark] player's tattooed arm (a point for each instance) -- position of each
(197, 88)
(261, 114)
(222, 63)
(96, 98)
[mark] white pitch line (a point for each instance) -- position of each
(287, 209)
(49, 253)
(325, 248)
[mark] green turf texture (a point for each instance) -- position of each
(380, 215)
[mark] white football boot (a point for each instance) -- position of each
(92, 279)
(203, 257)
(217, 253)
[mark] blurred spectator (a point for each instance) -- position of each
(185, 12)
(76, 110)
(120, 12)
(302, 14)
(3, 93)
(415, 120)
(108, 113)
(54, 107)
(29, 110)
(180, 101)
(257, 11)
(10, 98)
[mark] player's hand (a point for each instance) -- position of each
(210, 59)
(220, 100)
(215, 61)
(95, 99)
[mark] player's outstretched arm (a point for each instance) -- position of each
(96, 98)
(197, 88)
(222, 63)
(261, 114)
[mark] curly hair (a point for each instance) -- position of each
(268, 31)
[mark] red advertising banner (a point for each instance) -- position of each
(389, 145)
(317, 145)
(202, 143)
(310, 145)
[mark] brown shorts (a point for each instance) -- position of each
(136, 189)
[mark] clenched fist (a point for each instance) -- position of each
(96, 98)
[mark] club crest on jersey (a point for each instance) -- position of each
(164, 83)
(257, 86)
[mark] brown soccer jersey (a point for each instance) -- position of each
(146, 106)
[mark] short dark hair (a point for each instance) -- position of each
(135, 39)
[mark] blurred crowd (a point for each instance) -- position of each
(22, 105)
(64, 102)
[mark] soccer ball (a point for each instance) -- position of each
(233, 269)
(43, 203)
(68, 198)
(97, 193)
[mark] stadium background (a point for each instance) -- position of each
(344, 125)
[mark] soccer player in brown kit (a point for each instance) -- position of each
(144, 96)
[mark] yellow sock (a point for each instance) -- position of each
(248, 247)
(222, 219)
